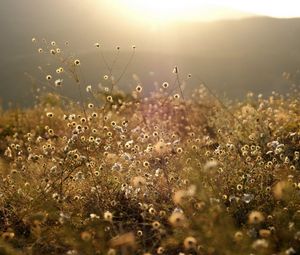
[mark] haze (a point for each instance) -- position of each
(235, 46)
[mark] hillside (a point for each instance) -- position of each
(232, 56)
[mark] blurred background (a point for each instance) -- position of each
(234, 46)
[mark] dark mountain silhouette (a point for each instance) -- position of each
(232, 56)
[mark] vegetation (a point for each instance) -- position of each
(159, 173)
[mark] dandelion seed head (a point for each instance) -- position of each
(139, 88)
(190, 242)
(255, 217)
(88, 88)
(76, 62)
(109, 99)
(58, 82)
(165, 85)
(176, 96)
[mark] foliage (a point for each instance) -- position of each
(151, 174)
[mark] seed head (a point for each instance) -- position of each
(76, 62)
(139, 88)
(108, 216)
(165, 85)
(190, 243)
(255, 217)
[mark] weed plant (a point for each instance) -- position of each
(158, 173)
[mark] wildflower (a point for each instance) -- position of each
(247, 198)
(290, 251)
(108, 216)
(97, 45)
(165, 85)
(155, 225)
(8, 235)
(152, 210)
(109, 99)
(190, 242)
(238, 236)
(146, 164)
(124, 240)
(175, 70)
(48, 77)
(179, 150)
(178, 196)
(239, 187)
(86, 236)
(209, 165)
(280, 189)
(138, 181)
(58, 82)
(49, 114)
(160, 250)
(88, 88)
(76, 62)
(255, 217)
(55, 196)
(260, 243)
(161, 147)
(177, 219)
(117, 167)
(264, 233)
(8, 152)
(176, 96)
(111, 252)
(139, 88)
(51, 131)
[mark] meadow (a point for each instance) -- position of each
(162, 172)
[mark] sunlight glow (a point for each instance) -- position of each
(160, 11)
(166, 10)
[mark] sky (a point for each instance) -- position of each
(218, 49)
(204, 10)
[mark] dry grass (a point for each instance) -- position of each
(154, 174)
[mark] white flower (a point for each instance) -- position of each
(58, 82)
(210, 164)
(88, 88)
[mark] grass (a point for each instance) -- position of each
(131, 173)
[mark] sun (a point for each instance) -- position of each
(160, 11)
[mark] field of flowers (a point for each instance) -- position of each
(139, 173)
